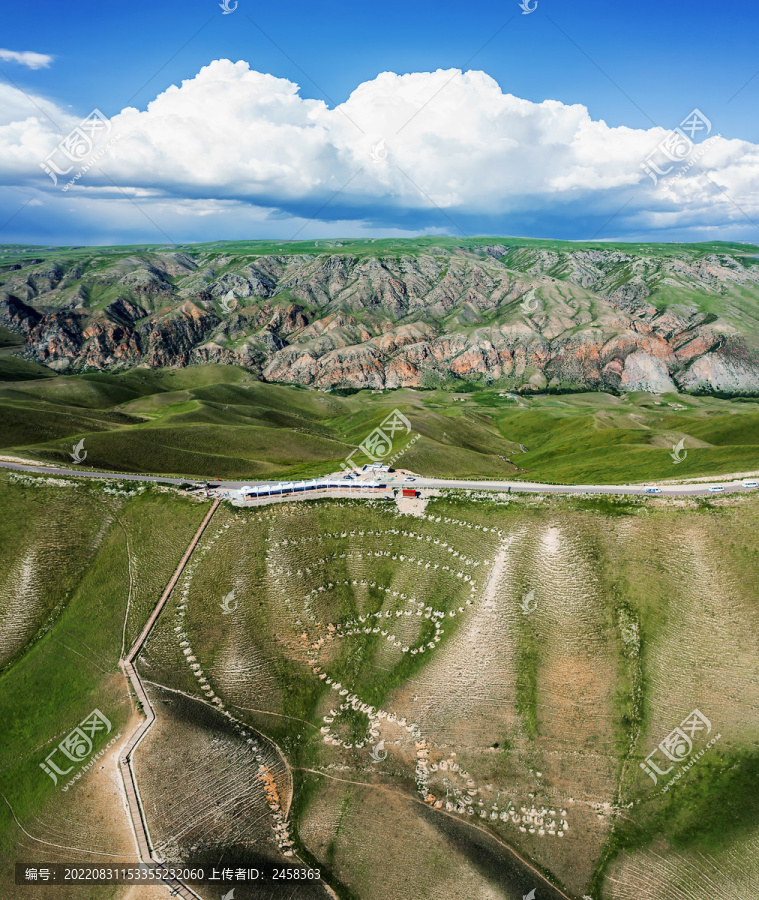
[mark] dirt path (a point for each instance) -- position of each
(137, 815)
(404, 796)
(134, 802)
(131, 584)
(58, 846)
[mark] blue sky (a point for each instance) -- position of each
(633, 65)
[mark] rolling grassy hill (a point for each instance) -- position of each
(219, 421)
(354, 623)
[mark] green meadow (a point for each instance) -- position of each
(219, 421)
(100, 557)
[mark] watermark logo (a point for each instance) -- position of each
(378, 753)
(530, 304)
(226, 603)
(380, 442)
(531, 895)
(677, 146)
(76, 746)
(526, 10)
(77, 455)
(678, 454)
(696, 121)
(227, 7)
(529, 603)
(379, 151)
(229, 302)
(78, 144)
(677, 746)
(230, 895)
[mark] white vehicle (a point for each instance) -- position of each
(716, 489)
(653, 490)
(750, 484)
(409, 478)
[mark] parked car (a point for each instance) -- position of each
(653, 490)
(716, 489)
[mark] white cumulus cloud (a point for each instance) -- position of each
(456, 145)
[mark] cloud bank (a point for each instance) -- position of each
(444, 150)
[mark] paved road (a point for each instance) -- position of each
(397, 481)
(88, 473)
(537, 488)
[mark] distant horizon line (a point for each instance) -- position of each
(332, 242)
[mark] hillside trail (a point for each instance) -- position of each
(129, 779)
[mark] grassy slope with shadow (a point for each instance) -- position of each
(219, 421)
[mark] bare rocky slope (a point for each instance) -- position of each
(527, 316)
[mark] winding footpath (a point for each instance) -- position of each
(136, 812)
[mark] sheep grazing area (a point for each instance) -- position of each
(469, 699)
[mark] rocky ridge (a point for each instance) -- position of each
(527, 318)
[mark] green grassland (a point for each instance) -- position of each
(622, 588)
(219, 421)
(369, 246)
(556, 707)
(10, 339)
(100, 559)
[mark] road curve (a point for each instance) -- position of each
(397, 481)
